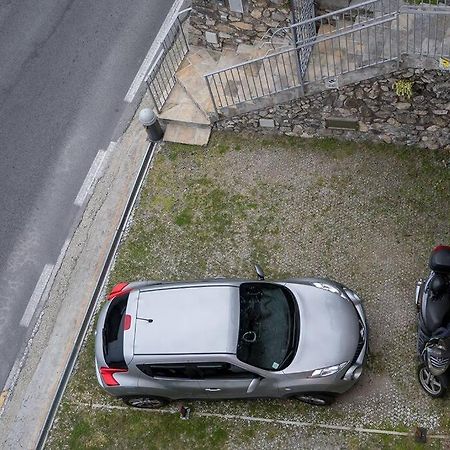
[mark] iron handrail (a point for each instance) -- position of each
(161, 76)
(330, 14)
(308, 42)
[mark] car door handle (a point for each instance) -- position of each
(213, 389)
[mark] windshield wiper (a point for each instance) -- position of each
(293, 343)
(288, 356)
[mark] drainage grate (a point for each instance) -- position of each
(341, 123)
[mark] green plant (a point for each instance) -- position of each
(404, 88)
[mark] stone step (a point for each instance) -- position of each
(204, 60)
(187, 134)
(196, 87)
(201, 62)
(180, 108)
(198, 62)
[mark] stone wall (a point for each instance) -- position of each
(213, 24)
(326, 6)
(372, 106)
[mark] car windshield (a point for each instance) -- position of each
(268, 326)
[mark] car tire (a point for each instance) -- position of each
(145, 402)
(434, 386)
(316, 398)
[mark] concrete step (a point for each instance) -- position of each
(187, 134)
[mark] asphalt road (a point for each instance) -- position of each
(65, 68)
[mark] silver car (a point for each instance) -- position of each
(223, 339)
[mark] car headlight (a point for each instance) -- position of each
(353, 296)
(324, 372)
(329, 288)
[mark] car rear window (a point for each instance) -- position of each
(113, 333)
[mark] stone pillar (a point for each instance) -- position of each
(228, 23)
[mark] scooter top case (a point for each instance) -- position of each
(440, 259)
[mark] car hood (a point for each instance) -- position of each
(329, 329)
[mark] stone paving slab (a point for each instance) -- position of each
(186, 134)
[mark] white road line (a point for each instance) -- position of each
(90, 178)
(37, 294)
(12, 373)
(62, 253)
(18, 363)
(267, 420)
(111, 147)
(143, 70)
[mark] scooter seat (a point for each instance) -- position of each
(436, 312)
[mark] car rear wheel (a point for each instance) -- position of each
(145, 402)
(317, 399)
(434, 386)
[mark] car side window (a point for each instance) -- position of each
(222, 370)
(197, 371)
(170, 370)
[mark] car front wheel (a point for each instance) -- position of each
(145, 402)
(317, 399)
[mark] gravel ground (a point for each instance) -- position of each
(365, 215)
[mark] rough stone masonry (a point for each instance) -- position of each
(379, 114)
(216, 24)
(228, 23)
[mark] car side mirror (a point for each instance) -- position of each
(253, 385)
(259, 272)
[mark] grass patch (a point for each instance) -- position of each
(184, 218)
(134, 429)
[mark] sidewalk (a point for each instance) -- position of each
(26, 405)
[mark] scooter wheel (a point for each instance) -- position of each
(434, 386)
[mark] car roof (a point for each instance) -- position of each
(192, 319)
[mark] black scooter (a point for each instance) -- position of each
(433, 340)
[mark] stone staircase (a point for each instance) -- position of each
(188, 112)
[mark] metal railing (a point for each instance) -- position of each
(174, 47)
(371, 33)
(427, 26)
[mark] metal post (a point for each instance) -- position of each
(153, 96)
(211, 94)
(150, 122)
(398, 33)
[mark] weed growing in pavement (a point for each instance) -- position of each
(376, 362)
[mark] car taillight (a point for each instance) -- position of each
(127, 322)
(118, 289)
(441, 247)
(107, 374)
